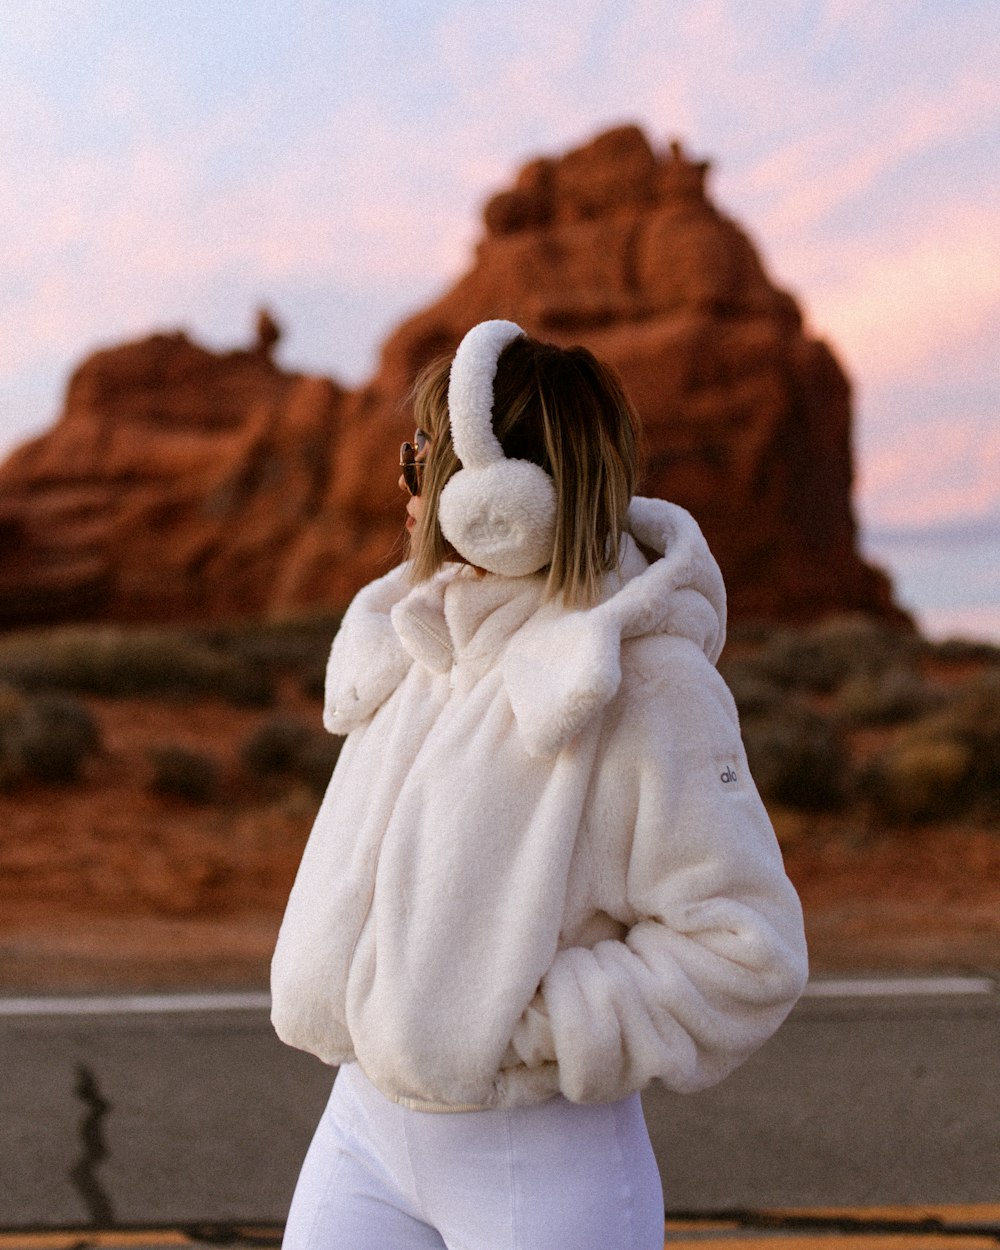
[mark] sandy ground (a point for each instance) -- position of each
(109, 886)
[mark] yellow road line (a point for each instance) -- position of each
(706, 1225)
(968, 1226)
(962, 1213)
(134, 1238)
(104, 1239)
(842, 1241)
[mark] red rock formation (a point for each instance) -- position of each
(171, 488)
(183, 484)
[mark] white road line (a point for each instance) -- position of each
(157, 1004)
(133, 1004)
(898, 987)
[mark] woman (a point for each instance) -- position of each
(541, 876)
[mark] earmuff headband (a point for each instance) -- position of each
(470, 392)
(499, 514)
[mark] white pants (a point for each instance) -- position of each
(557, 1176)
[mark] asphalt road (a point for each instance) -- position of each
(122, 1118)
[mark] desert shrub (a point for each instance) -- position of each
(961, 651)
(13, 756)
(755, 692)
(283, 746)
(973, 719)
(946, 764)
(43, 738)
(275, 745)
(184, 774)
(748, 633)
(824, 656)
(316, 760)
(918, 779)
(121, 663)
(888, 698)
(312, 681)
(67, 735)
(797, 756)
(296, 647)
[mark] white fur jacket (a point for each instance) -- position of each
(541, 864)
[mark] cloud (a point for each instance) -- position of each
(940, 535)
(356, 160)
(149, 227)
(905, 306)
(942, 476)
(856, 145)
(860, 18)
(947, 574)
(133, 237)
(953, 590)
(977, 621)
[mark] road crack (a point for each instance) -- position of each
(83, 1175)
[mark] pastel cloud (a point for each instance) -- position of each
(340, 173)
(845, 154)
(909, 306)
(930, 477)
(966, 620)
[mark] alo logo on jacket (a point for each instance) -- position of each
(729, 772)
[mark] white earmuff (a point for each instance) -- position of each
(499, 514)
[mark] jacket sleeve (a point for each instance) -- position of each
(367, 661)
(715, 957)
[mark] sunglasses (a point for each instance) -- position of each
(412, 467)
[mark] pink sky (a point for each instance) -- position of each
(331, 160)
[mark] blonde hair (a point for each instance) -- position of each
(560, 408)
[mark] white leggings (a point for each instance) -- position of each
(558, 1176)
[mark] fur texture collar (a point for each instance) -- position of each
(559, 667)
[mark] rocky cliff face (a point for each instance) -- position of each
(184, 484)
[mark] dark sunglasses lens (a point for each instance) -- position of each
(411, 470)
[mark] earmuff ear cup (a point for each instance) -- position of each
(501, 517)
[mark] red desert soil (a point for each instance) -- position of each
(107, 886)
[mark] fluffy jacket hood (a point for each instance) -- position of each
(560, 667)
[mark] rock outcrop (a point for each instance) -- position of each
(171, 488)
(184, 484)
